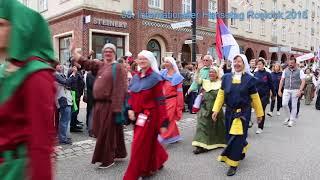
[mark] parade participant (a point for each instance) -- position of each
(109, 99)
(172, 90)
(149, 113)
(316, 82)
(264, 86)
(238, 92)
(294, 82)
(309, 89)
(209, 135)
(276, 77)
(253, 65)
(27, 94)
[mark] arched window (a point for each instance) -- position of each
(155, 48)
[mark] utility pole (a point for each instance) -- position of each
(194, 29)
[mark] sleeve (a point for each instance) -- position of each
(120, 89)
(194, 86)
(90, 65)
(180, 101)
(219, 101)
(283, 75)
(161, 105)
(40, 105)
(255, 100)
(270, 84)
(302, 75)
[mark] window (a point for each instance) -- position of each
(274, 29)
(249, 25)
(212, 8)
(262, 4)
(155, 48)
(186, 6)
(300, 3)
(233, 20)
(99, 40)
(25, 2)
(43, 5)
(283, 33)
(299, 38)
(263, 28)
(274, 5)
(155, 4)
(64, 52)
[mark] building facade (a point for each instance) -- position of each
(296, 35)
(92, 23)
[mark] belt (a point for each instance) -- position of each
(103, 100)
(169, 97)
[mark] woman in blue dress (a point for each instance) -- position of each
(239, 93)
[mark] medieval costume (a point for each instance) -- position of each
(309, 89)
(173, 92)
(27, 96)
(209, 135)
(108, 98)
(239, 93)
(147, 99)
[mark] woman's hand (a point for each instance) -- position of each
(214, 116)
(131, 115)
(163, 130)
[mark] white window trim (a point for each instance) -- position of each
(45, 8)
(161, 5)
(283, 34)
(183, 3)
(249, 24)
(210, 10)
(56, 39)
(235, 25)
(126, 37)
(262, 5)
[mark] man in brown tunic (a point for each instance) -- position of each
(109, 97)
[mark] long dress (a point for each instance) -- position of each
(172, 90)
(108, 97)
(30, 125)
(210, 135)
(147, 154)
(309, 89)
(238, 95)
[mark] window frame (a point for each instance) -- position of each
(45, 8)
(153, 5)
(235, 24)
(263, 28)
(65, 48)
(184, 4)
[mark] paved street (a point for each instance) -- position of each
(279, 153)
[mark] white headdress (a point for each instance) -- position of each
(109, 46)
(245, 62)
(174, 64)
(152, 60)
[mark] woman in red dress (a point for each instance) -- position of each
(172, 90)
(27, 94)
(149, 113)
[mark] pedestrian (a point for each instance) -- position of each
(309, 88)
(27, 94)
(294, 82)
(148, 111)
(264, 86)
(316, 82)
(90, 79)
(109, 99)
(172, 90)
(64, 102)
(238, 92)
(253, 65)
(209, 135)
(187, 81)
(276, 77)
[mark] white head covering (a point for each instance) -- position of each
(152, 60)
(245, 62)
(109, 46)
(128, 54)
(174, 64)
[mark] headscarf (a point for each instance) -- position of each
(174, 64)
(216, 69)
(152, 60)
(109, 46)
(29, 37)
(245, 62)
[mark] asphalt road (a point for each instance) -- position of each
(279, 153)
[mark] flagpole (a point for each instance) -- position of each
(194, 30)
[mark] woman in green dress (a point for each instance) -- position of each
(309, 89)
(209, 135)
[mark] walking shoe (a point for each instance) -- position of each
(104, 166)
(278, 113)
(250, 124)
(232, 171)
(252, 110)
(290, 124)
(285, 122)
(259, 131)
(269, 114)
(199, 150)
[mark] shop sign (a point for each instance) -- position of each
(110, 23)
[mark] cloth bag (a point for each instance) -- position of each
(197, 103)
